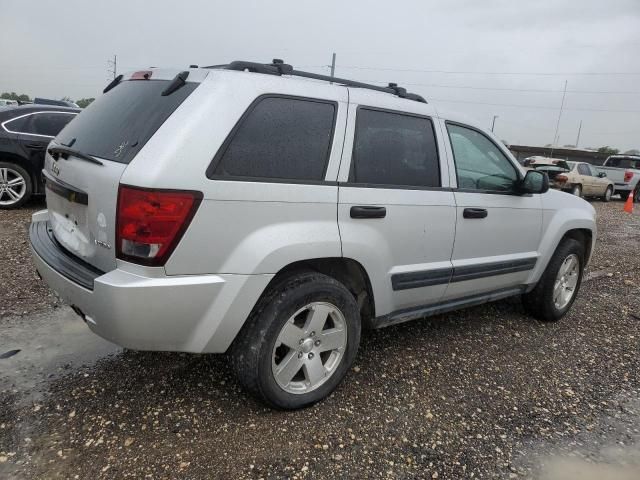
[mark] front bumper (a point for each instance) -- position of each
(145, 309)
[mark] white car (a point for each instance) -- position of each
(272, 214)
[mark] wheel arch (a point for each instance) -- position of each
(566, 223)
(347, 271)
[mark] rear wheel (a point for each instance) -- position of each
(299, 341)
(624, 195)
(577, 190)
(15, 186)
(607, 194)
(556, 290)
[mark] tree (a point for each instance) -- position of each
(14, 96)
(633, 151)
(608, 150)
(84, 102)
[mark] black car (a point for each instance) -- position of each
(25, 132)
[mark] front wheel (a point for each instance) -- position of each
(577, 190)
(299, 342)
(556, 290)
(607, 194)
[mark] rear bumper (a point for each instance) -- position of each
(150, 311)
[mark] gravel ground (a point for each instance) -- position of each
(20, 291)
(482, 393)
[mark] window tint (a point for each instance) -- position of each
(119, 123)
(584, 169)
(624, 163)
(283, 138)
(394, 149)
(45, 123)
(49, 123)
(479, 162)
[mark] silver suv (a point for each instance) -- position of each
(272, 214)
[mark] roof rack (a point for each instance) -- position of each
(278, 67)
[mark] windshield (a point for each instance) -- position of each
(119, 123)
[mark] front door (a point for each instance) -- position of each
(396, 215)
(497, 230)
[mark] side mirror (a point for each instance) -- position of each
(534, 181)
(602, 174)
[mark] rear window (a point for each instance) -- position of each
(623, 163)
(119, 123)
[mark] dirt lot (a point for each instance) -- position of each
(482, 393)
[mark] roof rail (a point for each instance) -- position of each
(278, 67)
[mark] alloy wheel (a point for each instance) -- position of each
(309, 348)
(566, 282)
(13, 186)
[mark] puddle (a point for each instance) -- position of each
(37, 348)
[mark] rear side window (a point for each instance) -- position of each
(119, 123)
(394, 149)
(584, 169)
(279, 138)
(45, 123)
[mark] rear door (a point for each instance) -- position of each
(82, 188)
(395, 212)
(497, 230)
(588, 185)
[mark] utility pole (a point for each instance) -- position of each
(493, 123)
(333, 66)
(578, 139)
(113, 66)
(555, 136)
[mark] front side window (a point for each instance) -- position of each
(480, 164)
(394, 149)
(280, 138)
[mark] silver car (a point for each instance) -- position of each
(246, 209)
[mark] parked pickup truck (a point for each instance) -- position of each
(624, 171)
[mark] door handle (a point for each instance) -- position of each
(474, 213)
(367, 211)
(34, 146)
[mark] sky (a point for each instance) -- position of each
(508, 58)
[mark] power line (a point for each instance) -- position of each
(468, 72)
(532, 106)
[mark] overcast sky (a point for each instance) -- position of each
(504, 57)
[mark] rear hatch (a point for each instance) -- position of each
(85, 162)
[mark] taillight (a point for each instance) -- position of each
(562, 178)
(628, 176)
(150, 223)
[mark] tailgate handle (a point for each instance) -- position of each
(474, 213)
(367, 211)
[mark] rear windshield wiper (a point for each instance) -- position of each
(65, 152)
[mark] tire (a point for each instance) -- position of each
(258, 353)
(15, 186)
(607, 194)
(636, 195)
(540, 301)
(624, 195)
(577, 190)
